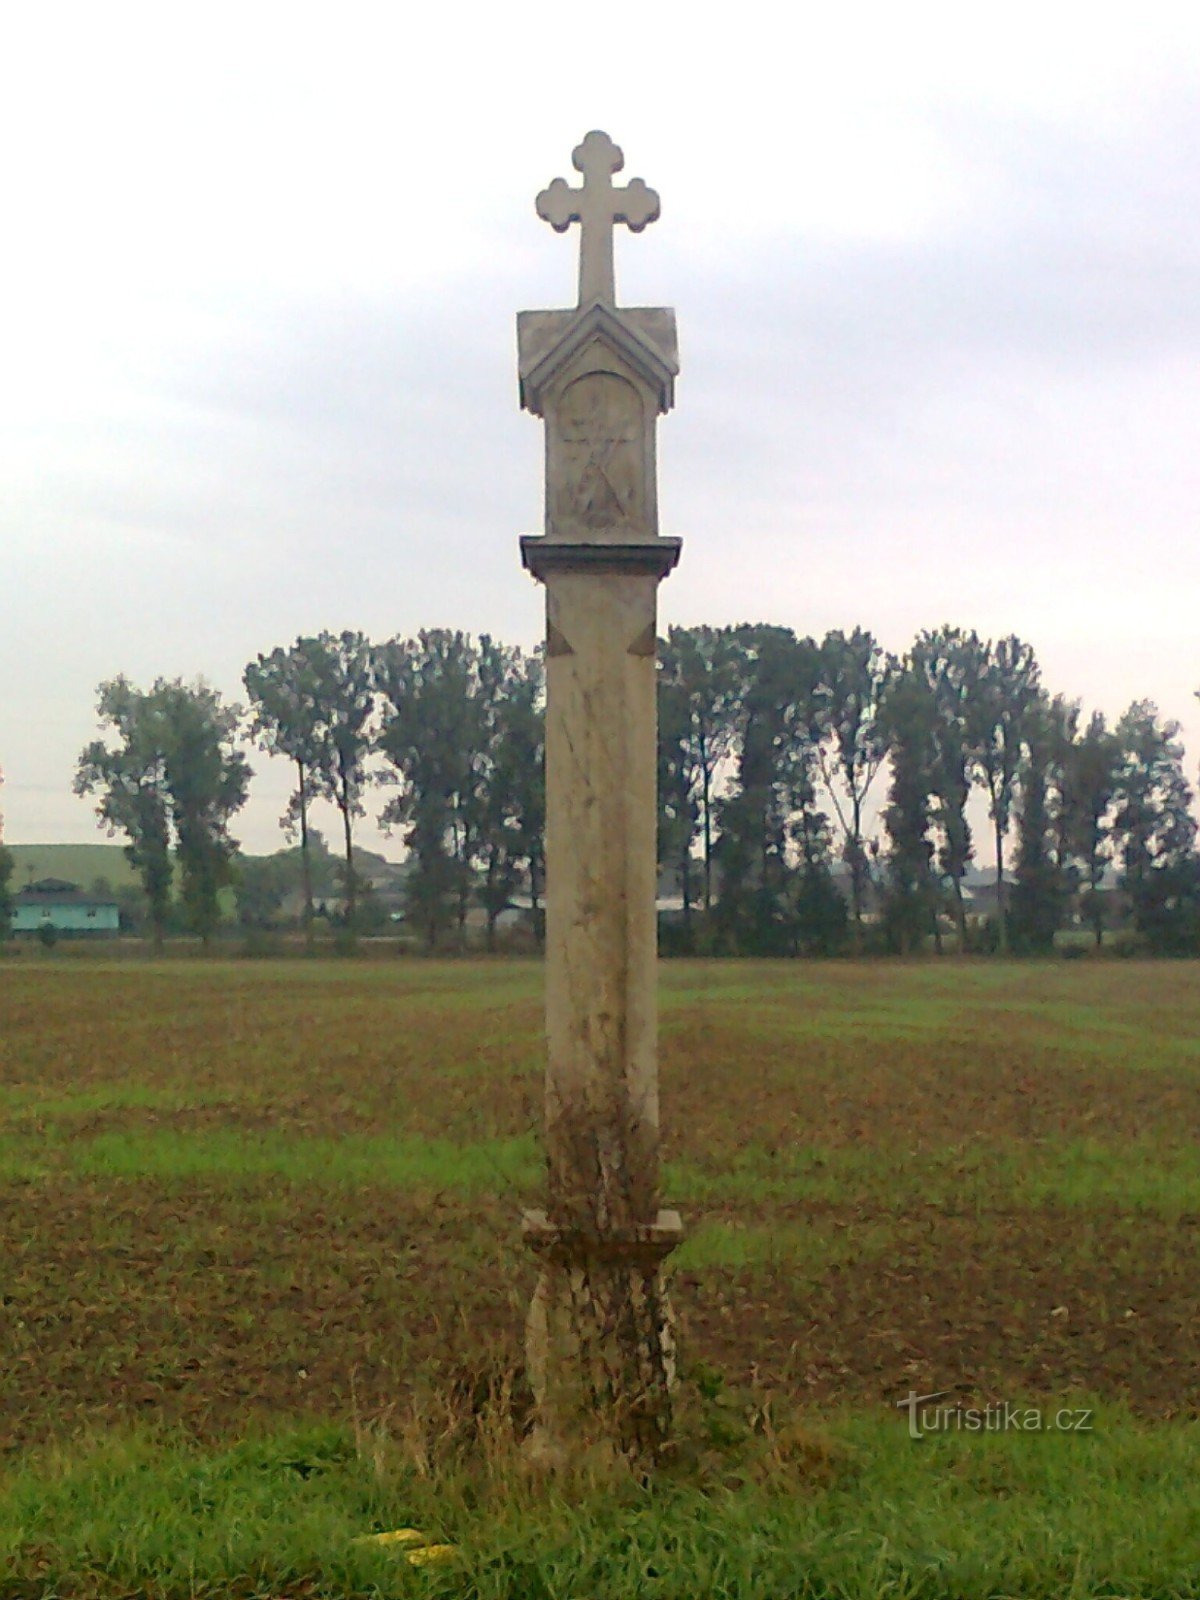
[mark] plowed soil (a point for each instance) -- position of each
(978, 1177)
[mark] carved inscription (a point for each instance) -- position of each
(600, 482)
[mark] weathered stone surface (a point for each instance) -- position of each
(601, 932)
(600, 391)
(596, 205)
(600, 1338)
(643, 336)
(544, 557)
(600, 1347)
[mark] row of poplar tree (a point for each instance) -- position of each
(770, 746)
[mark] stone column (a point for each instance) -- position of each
(599, 1346)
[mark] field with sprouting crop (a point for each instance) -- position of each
(262, 1287)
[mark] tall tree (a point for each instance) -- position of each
(856, 672)
(819, 910)
(512, 788)
(344, 689)
(999, 715)
(208, 779)
(433, 732)
(1042, 882)
(1090, 787)
(1155, 828)
(952, 663)
(704, 670)
(525, 756)
(463, 729)
(287, 721)
(131, 781)
(175, 774)
(678, 784)
(778, 730)
(910, 893)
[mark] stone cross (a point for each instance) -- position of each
(599, 1342)
(596, 207)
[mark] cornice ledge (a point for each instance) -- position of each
(652, 558)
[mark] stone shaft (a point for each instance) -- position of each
(601, 870)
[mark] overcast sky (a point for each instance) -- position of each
(936, 270)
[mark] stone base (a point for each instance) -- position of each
(600, 1341)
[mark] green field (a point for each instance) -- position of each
(76, 863)
(263, 1289)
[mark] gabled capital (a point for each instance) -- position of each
(642, 339)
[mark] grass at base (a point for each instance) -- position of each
(855, 1509)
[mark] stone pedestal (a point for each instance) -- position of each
(600, 1339)
(600, 1352)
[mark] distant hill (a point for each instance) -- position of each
(77, 863)
(381, 872)
(84, 863)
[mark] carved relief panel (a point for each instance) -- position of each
(598, 468)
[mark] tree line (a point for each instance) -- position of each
(7, 865)
(771, 749)
(802, 731)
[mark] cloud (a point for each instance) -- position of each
(976, 404)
